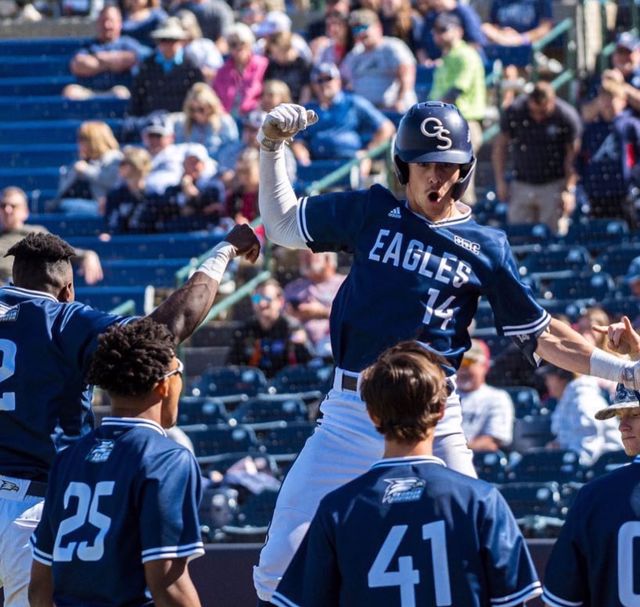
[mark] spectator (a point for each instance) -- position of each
(165, 77)
(517, 22)
(242, 199)
(238, 82)
(459, 79)
(309, 298)
(205, 121)
(318, 27)
(86, 182)
(632, 278)
(487, 412)
(166, 158)
(573, 421)
(141, 17)
(287, 64)
(273, 24)
(215, 17)
(14, 213)
(543, 134)
(609, 153)
(250, 12)
(397, 21)
(337, 43)
(269, 340)
(381, 69)
(202, 52)
(626, 63)
(126, 208)
(348, 125)
(105, 65)
(274, 93)
(428, 50)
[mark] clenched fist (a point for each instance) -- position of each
(282, 123)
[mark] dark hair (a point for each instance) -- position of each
(542, 92)
(130, 359)
(41, 261)
(406, 390)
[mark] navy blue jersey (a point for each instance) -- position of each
(411, 532)
(596, 560)
(412, 278)
(121, 496)
(45, 346)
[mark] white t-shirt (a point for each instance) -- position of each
(487, 411)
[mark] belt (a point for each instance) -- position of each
(349, 383)
(12, 487)
(37, 489)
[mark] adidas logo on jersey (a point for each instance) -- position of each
(395, 213)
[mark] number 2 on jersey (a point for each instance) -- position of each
(406, 577)
(8, 368)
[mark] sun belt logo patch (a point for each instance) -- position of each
(433, 127)
(403, 490)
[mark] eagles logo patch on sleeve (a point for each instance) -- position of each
(101, 452)
(403, 490)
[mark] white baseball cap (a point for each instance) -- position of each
(624, 399)
(275, 22)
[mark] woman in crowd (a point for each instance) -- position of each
(203, 52)
(140, 18)
(333, 47)
(274, 93)
(287, 64)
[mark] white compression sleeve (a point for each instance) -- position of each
(277, 200)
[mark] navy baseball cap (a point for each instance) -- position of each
(624, 399)
(329, 70)
(447, 20)
(628, 41)
(633, 273)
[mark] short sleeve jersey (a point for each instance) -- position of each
(521, 15)
(123, 495)
(595, 559)
(413, 279)
(45, 346)
(411, 532)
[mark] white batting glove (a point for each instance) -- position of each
(282, 123)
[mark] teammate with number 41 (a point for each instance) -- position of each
(410, 532)
(419, 267)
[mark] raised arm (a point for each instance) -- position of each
(187, 307)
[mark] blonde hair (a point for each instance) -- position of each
(278, 87)
(202, 93)
(99, 138)
(281, 40)
(190, 24)
(138, 159)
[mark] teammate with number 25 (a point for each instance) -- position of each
(419, 267)
(410, 531)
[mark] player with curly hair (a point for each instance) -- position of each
(121, 509)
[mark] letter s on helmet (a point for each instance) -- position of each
(434, 132)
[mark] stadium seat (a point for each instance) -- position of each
(197, 410)
(533, 499)
(107, 298)
(231, 381)
(14, 67)
(496, 343)
(41, 178)
(56, 107)
(617, 306)
(136, 272)
(491, 466)
(595, 287)
(608, 461)
(34, 86)
(531, 432)
(424, 81)
(67, 226)
(318, 169)
(41, 47)
(484, 315)
(541, 465)
(222, 463)
(525, 400)
(252, 519)
(211, 441)
(527, 233)
(567, 307)
(47, 131)
(615, 259)
(284, 439)
(271, 408)
(38, 155)
(557, 258)
(303, 378)
(597, 234)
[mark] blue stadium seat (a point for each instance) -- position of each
(527, 233)
(222, 463)
(557, 258)
(615, 259)
(568, 307)
(533, 499)
(608, 461)
(484, 315)
(56, 107)
(525, 400)
(14, 67)
(42, 47)
(44, 178)
(216, 440)
(531, 432)
(67, 226)
(541, 465)
(47, 131)
(597, 234)
(496, 343)
(198, 410)
(136, 272)
(107, 298)
(38, 155)
(491, 466)
(34, 86)
(596, 287)
(231, 381)
(284, 439)
(424, 81)
(318, 169)
(271, 408)
(618, 306)
(252, 519)
(303, 378)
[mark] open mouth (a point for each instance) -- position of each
(433, 196)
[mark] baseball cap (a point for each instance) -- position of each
(275, 22)
(196, 150)
(478, 352)
(624, 399)
(158, 125)
(171, 30)
(323, 70)
(447, 20)
(628, 41)
(254, 119)
(363, 17)
(633, 273)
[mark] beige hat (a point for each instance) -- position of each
(171, 29)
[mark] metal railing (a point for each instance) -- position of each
(126, 308)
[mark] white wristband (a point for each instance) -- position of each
(607, 366)
(216, 264)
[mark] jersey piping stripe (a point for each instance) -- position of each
(531, 591)
(39, 555)
(529, 328)
(131, 422)
(149, 551)
(404, 461)
(302, 219)
(178, 554)
(21, 291)
(555, 601)
(282, 601)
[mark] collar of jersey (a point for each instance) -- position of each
(463, 208)
(636, 460)
(132, 422)
(411, 459)
(20, 291)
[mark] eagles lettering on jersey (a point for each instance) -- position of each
(424, 279)
(411, 532)
(121, 496)
(596, 559)
(45, 347)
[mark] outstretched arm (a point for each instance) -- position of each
(187, 307)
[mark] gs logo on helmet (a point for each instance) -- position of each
(433, 127)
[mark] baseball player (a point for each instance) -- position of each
(419, 267)
(121, 510)
(45, 341)
(595, 559)
(410, 531)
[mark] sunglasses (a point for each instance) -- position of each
(323, 79)
(179, 370)
(257, 299)
(440, 30)
(198, 109)
(235, 44)
(359, 29)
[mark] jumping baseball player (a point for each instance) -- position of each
(410, 531)
(46, 340)
(419, 267)
(595, 559)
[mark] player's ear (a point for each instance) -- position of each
(161, 389)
